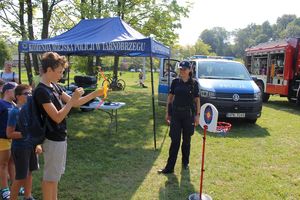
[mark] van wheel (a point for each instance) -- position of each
(251, 121)
(265, 96)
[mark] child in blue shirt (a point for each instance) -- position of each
(23, 153)
(6, 163)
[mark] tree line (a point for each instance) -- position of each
(40, 19)
(219, 41)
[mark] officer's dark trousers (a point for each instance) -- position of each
(181, 122)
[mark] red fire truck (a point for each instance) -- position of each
(276, 68)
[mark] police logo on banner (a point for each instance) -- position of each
(209, 117)
(24, 46)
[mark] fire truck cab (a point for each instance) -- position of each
(276, 66)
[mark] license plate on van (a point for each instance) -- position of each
(236, 115)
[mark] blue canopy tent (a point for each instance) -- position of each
(101, 37)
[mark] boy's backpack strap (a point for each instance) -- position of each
(59, 91)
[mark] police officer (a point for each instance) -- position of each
(183, 113)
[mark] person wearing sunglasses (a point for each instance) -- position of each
(182, 113)
(23, 153)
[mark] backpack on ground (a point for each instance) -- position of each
(32, 123)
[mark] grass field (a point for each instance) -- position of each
(260, 161)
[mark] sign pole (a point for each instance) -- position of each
(202, 164)
(208, 121)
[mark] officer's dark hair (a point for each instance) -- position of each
(191, 80)
(192, 86)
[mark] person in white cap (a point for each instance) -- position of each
(183, 112)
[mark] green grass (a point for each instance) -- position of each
(252, 162)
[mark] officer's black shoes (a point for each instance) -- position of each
(185, 166)
(165, 171)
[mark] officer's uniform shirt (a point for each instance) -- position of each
(184, 96)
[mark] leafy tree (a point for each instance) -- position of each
(201, 48)
(158, 20)
(14, 14)
(184, 52)
(4, 53)
(10, 15)
(246, 37)
(217, 38)
(261, 38)
(253, 34)
(281, 25)
(292, 29)
(267, 29)
(229, 50)
(47, 10)
(208, 37)
(162, 22)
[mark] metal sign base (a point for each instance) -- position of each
(196, 196)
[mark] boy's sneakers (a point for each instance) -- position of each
(21, 191)
(5, 194)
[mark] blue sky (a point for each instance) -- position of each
(232, 14)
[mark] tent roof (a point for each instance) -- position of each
(106, 36)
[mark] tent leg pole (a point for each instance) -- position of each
(169, 73)
(69, 72)
(19, 67)
(153, 103)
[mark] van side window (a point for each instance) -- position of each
(169, 68)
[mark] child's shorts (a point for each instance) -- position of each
(25, 160)
(5, 144)
(55, 154)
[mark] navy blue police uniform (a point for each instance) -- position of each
(182, 114)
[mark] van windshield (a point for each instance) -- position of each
(222, 70)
